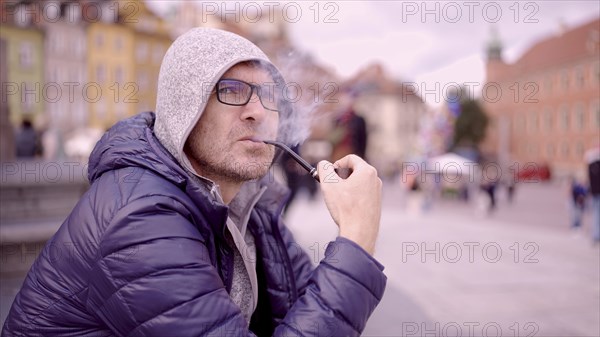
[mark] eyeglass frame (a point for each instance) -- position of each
(253, 89)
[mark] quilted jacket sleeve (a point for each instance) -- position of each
(154, 277)
(338, 296)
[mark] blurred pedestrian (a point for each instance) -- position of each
(509, 181)
(489, 187)
(594, 179)
(350, 134)
(510, 190)
(578, 194)
(27, 142)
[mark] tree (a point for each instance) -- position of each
(471, 125)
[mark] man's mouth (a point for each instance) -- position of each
(252, 143)
(250, 139)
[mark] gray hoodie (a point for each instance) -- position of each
(189, 71)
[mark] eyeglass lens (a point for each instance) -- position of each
(236, 92)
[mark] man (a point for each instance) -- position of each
(351, 134)
(578, 196)
(177, 235)
(26, 142)
(593, 159)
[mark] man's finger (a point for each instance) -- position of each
(327, 172)
(351, 161)
(325, 168)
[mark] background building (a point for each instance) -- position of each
(111, 66)
(7, 143)
(65, 59)
(71, 66)
(393, 113)
(548, 108)
(24, 70)
(152, 38)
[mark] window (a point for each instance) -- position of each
(26, 54)
(142, 51)
(62, 47)
(109, 12)
(100, 73)
(593, 41)
(548, 85)
(549, 151)
(119, 76)
(548, 120)
(51, 11)
(50, 43)
(564, 118)
(23, 15)
(579, 150)
(564, 80)
(79, 47)
(118, 43)
(99, 40)
(595, 115)
(564, 150)
(579, 77)
(73, 13)
(533, 121)
(579, 122)
(520, 123)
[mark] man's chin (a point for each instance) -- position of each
(249, 168)
(253, 169)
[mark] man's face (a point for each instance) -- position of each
(220, 145)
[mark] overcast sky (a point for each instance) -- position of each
(424, 42)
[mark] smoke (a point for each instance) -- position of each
(311, 94)
(295, 123)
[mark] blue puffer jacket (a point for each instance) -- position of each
(143, 254)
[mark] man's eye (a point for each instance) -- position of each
(227, 90)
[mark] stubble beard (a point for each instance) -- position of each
(230, 168)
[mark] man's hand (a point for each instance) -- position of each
(354, 203)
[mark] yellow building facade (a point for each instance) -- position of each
(152, 39)
(111, 89)
(124, 58)
(24, 73)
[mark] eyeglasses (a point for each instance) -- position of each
(238, 93)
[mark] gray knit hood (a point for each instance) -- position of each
(189, 71)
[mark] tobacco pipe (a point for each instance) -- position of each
(342, 172)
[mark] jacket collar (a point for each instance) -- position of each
(132, 143)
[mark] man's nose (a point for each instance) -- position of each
(254, 110)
